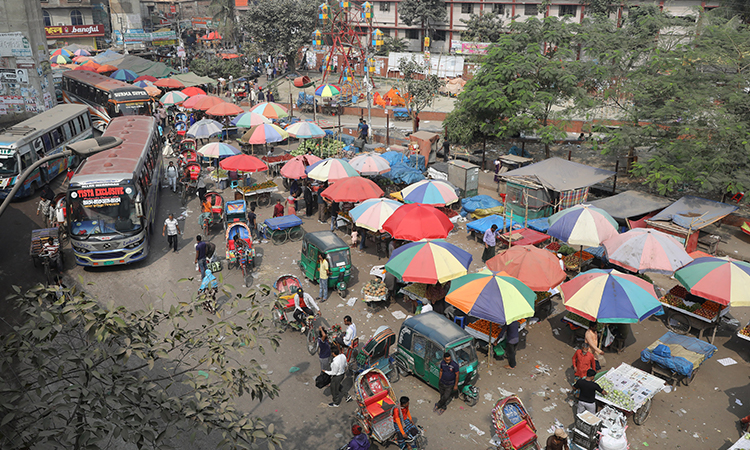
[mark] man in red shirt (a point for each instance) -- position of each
(278, 210)
(583, 360)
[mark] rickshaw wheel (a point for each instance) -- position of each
(312, 341)
(278, 237)
(641, 415)
(469, 400)
(277, 320)
(681, 325)
(393, 375)
(264, 199)
(296, 233)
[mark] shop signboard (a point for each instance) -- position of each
(62, 31)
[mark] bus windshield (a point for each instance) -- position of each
(103, 211)
(133, 109)
(8, 164)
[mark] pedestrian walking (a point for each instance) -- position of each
(364, 131)
(587, 392)
(278, 209)
(200, 255)
(323, 275)
(172, 176)
(321, 207)
(446, 149)
(172, 229)
(511, 339)
(489, 243)
(270, 96)
(448, 383)
(583, 360)
(334, 215)
(592, 340)
(337, 372)
(261, 95)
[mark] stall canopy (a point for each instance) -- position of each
(559, 174)
(694, 213)
(631, 204)
(143, 66)
(191, 79)
(107, 56)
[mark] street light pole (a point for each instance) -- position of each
(83, 149)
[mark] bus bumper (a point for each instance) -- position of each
(111, 258)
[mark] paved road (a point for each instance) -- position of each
(301, 411)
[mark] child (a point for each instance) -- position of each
(290, 210)
(355, 238)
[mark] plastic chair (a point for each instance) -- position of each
(234, 184)
(460, 321)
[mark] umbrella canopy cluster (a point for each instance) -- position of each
(295, 167)
(493, 296)
(429, 262)
(263, 134)
(582, 225)
(331, 169)
(429, 192)
(372, 214)
(723, 280)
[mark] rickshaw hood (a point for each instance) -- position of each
(437, 328)
(325, 241)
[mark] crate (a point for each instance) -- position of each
(587, 442)
(588, 424)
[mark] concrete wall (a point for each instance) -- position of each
(23, 46)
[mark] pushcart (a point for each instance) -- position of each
(259, 193)
(636, 390)
(685, 312)
(513, 425)
(684, 357)
(283, 229)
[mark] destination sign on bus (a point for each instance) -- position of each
(100, 197)
(129, 93)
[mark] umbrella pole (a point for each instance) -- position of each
(580, 259)
(489, 353)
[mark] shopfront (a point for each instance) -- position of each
(84, 35)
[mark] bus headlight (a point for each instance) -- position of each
(78, 249)
(136, 243)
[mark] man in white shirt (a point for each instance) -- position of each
(172, 176)
(351, 333)
(303, 307)
(172, 229)
(337, 372)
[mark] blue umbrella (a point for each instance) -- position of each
(143, 84)
(204, 129)
(124, 75)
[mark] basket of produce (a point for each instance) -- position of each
(744, 332)
(258, 187)
(374, 291)
(619, 398)
(679, 291)
(574, 260)
(418, 289)
(708, 310)
(541, 297)
(483, 326)
(672, 300)
(554, 247)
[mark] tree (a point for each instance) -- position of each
(487, 27)
(418, 86)
(76, 374)
(425, 13)
(391, 44)
(217, 68)
(523, 77)
(281, 26)
(600, 7)
(732, 8)
(224, 13)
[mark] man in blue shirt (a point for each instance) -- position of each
(489, 243)
(364, 131)
(448, 382)
(200, 255)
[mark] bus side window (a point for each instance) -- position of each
(39, 147)
(27, 159)
(85, 120)
(47, 142)
(66, 129)
(75, 125)
(56, 137)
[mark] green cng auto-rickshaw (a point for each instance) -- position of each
(421, 343)
(336, 251)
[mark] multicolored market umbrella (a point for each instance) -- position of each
(193, 90)
(295, 167)
(416, 222)
(370, 164)
(243, 163)
(91, 63)
(249, 120)
(328, 90)
(582, 225)
(150, 78)
(646, 250)
(536, 268)
(143, 84)
(352, 189)
(172, 98)
(86, 68)
(169, 83)
(192, 101)
(610, 296)
(218, 150)
(429, 262)
(125, 75)
(429, 192)
(59, 59)
(371, 214)
(493, 296)
(271, 110)
(264, 134)
(725, 281)
(331, 169)
(81, 52)
(305, 130)
(224, 109)
(204, 129)
(64, 52)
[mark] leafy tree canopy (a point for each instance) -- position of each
(487, 27)
(391, 44)
(215, 67)
(422, 12)
(418, 86)
(223, 12)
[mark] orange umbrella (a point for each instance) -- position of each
(190, 103)
(205, 104)
(106, 68)
(81, 59)
(193, 91)
(169, 83)
(152, 91)
(91, 63)
(89, 68)
(224, 109)
(536, 268)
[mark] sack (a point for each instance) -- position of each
(215, 266)
(322, 380)
(210, 250)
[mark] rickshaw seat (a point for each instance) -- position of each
(379, 403)
(521, 434)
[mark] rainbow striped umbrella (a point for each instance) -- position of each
(429, 192)
(371, 214)
(264, 133)
(610, 296)
(646, 250)
(63, 51)
(493, 296)
(173, 98)
(331, 169)
(143, 84)
(582, 225)
(328, 90)
(81, 52)
(59, 59)
(726, 281)
(249, 120)
(429, 262)
(305, 130)
(218, 150)
(370, 164)
(271, 110)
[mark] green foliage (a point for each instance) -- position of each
(600, 7)
(281, 26)
(734, 8)
(418, 86)
(422, 12)
(223, 13)
(323, 147)
(76, 374)
(217, 67)
(391, 44)
(487, 27)
(462, 127)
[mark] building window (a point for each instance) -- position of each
(76, 18)
(385, 31)
(467, 8)
(47, 19)
(385, 6)
(567, 10)
(530, 10)
(412, 34)
(498, 8)
(438, 35)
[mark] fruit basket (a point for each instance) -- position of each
(744, 332)
(554, 247)
(579, 258)
(374, 291)
(481, 330)
(679, 291)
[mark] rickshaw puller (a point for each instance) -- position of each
(404, 423)
(302, 307)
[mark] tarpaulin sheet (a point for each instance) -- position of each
(631, 204)
(694, 212)
(560, 174)
(283, 222)
(484, 212)
(479, 202)
(394, 157)
(107, 56)
(401, 173)
(680, 345)
(191, 79)
(541, 225)
(143, 66)
(485, 224)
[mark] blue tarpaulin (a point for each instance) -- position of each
(676, 363)
(486, 223)
(393, 157)
(401, 173)
(471, 204)
(283, 222)
(541, 225)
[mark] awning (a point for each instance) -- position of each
(559, 174)
(631, 204)
(694, 213)
(191, 79)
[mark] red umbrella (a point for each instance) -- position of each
(206, 103)
(193, 90)
(223, 109)
(169, 83)
(295, 167)
(146, 78)
(536, 268)
(89, 68)
(243, 163)
(352, 189)
(418, 221)
(190, 103)
(106, 68)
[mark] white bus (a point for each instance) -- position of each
(44, 134)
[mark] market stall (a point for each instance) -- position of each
(523, 236)
(477, 228)
(275, 162)
(742, 444)
(258, 192)
(677, 358)
(686, 311)
(629, 390)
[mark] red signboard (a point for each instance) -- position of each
(74, 31)
(173, 9)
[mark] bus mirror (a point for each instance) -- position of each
(138, 205)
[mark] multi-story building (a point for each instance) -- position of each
(386, 16)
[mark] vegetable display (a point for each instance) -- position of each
(483, 326)
(615, 396)
(375, 288)
(323, 147)
(258, 186)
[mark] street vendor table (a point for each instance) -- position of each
(681, 321)
(261, 196)
(275, 163)
(638, 387)
(284, 228)
(416, 292)
(742, 444)
(526, 236)
(744, 332)
(686, 355)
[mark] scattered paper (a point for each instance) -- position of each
(504, 393)
(477, 430)
(399, 315)
(351, 301)
(488, 397)
(727, 362)
(736, 400)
